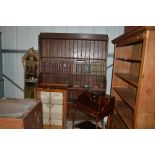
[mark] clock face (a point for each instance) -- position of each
(52, 107)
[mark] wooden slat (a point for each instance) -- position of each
(125, 113)
(133, 80)
(74, 58)
(128, 95)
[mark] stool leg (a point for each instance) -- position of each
(103, 123)
(73, 117)
(96, 122)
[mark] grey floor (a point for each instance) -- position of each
(69, 123)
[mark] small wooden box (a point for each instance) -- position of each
(20, 113)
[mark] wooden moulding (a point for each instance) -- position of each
(73, 36)
(132, 37)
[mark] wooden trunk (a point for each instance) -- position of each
(20, 114)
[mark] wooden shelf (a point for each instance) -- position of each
(74, 58)
(91, 89)
(129, 60)
(117, 122)
(133, 80)
(65, 74)
(125, 113)
(28, 73)
(128, 95)
(31, 81)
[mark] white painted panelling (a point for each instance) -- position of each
(113, 32)
(20, 74)
(10, 69)
(13, 68)
(25, 37)
(99, 29)
(22, 37)
(87, 29)
(33, 34)
(2, 29)
(3, 64)
(10, 37)
(74, 29)
(47, 28)
(61, 29)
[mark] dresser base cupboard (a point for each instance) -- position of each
(133, 81)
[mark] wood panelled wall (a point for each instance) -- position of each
(24, 37)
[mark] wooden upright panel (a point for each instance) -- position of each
(145, 116)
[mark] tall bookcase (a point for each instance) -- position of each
(133, 82)
(76, 60)
(73, 61)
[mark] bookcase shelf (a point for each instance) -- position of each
(133, 80)
(125, 114)
(128, 95)
(117, 123)
(129, 60)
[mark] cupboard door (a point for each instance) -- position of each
(54, 107)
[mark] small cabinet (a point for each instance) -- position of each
(30, 63)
